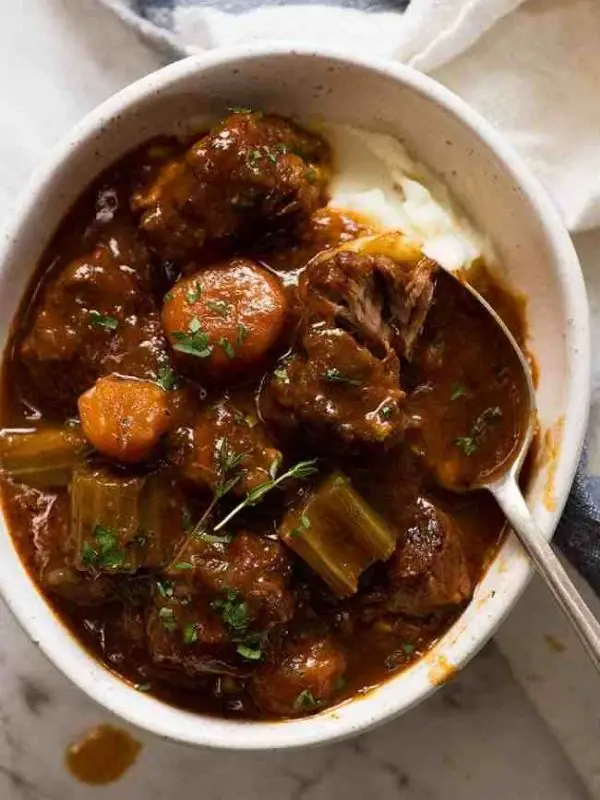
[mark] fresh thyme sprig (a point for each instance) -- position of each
(300, 470)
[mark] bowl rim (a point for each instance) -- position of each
(112, 692)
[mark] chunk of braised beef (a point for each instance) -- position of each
(337, 386)
(124, 640)
(46, 520)
(382, 302)
(253, 569)
(78, 588)
(429, 571)
(361, 312)
(96, 317)
(249, 169)
(186, 634)
(325, 229)
(409, 293)
(225, 445)
(300, 677)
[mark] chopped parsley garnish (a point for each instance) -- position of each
(106, 553)
(167, 617)
(408, 648)
(333, 375)
(458, 391)
(194, 292)
(301, 528)
(99, 320)
(165, 588)
(470, 444)
(385, 412)
(467, 443)
(227, 347)
(88, 555)
(209, 538)
(220, 307)
(168, 296)
(281, 375)
(240, 110)
(190, 633)
(242, 333)
(106, 538)
(238, 416)
(167, 379)
(227, 458)
(249, 420)
(273, 157)
(271, 153)
(253, 157)
(306, 701)
(248, 652)
(300, 470)
(184, 565)
(233, 610)
(195, 342)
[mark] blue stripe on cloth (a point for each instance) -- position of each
(160, 11)
(578, 534)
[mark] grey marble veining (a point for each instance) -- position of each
(477, 738)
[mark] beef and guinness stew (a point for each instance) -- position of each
(223, 457)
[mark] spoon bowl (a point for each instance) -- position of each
(496, 468)
(501, 479)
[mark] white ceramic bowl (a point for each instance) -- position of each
(496, 191)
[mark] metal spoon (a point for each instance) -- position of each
(503, 484)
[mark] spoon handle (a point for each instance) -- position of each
(587, 627)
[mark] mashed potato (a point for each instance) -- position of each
(406, 196)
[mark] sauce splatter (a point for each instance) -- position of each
(548, 457)
(554, 643)
(440, 670)
(102, 755)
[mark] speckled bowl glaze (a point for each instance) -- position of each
(503, 200)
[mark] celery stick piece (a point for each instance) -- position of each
(120, 524)
(105, 520)
(42, 458)
(158, 526)
(338, 534)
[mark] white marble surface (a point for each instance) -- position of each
(480, 737)
(477, 738)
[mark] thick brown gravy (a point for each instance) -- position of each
(140, 623)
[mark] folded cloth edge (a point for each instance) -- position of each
(159, 37)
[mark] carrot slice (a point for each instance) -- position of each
(124, 418)
(223, 320)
